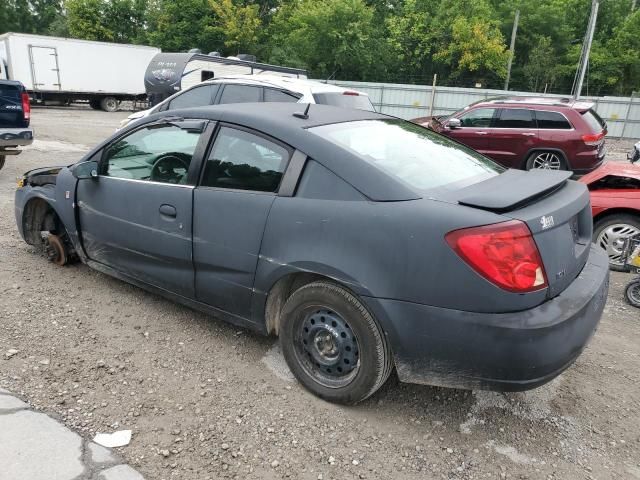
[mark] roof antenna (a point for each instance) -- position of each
(302, 115)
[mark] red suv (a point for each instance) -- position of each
(526, 133)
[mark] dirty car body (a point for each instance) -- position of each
(332, 196)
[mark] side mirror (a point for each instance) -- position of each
(454, 123)
(85, 170)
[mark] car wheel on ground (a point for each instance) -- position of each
(109, 104)
(632, 293)
(332, 344)
(610, 232)
(546, 160)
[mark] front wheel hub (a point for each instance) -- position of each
(328, 346)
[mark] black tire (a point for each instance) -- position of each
(546, 156)
(95, 103)
(2, 160)
(368, 344)
(109, 104)
(632, 221)
(632, 293)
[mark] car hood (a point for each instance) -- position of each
(616, 169)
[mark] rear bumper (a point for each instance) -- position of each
(15, 137)
(586, 162)
(505, 352)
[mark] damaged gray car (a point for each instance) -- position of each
(366, 243)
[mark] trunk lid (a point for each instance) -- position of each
(556, 210)
(11, 115)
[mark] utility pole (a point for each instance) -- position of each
(512, 48)
(586, 49)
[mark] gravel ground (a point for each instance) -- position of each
(206, 400)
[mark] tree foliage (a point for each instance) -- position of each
(463, 41)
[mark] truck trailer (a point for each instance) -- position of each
(68, 70)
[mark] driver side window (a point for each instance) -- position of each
(155, 153)
(478, 118)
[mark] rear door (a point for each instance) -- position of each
(475, 129)
(44, 68)
(238, 186)
(514, 134)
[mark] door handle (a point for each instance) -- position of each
(481, 133)
(530, 134)
(168, 210)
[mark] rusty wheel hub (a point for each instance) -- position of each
(55, 250)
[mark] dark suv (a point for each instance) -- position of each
(15, 115)
(526, 133)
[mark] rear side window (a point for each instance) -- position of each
(244, 161)
(515, 118)
(241, 94)
(478, 118)
(552, 121)
(419, 157)
(595, 122)
(352, 101)
(272, 95)
(196, 97)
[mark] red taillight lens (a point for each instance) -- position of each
(593, 138)
(353, 94)
(503, 253)
(26, 106)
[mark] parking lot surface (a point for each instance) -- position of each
(205, 400)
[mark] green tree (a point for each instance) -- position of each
(540, 69)
(105, 20)
(238, 24)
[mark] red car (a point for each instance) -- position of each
(526, 133)
(615, 205)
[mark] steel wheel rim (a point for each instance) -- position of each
(326, 347)
(633, 292)
(547, 161)
(611, 240)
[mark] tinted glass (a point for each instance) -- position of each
(155, 154)
(552, 120)
(339, 99)
(196, 97)
(240, 94)
(419, 157)
(244, 161)
(479, 118)
(10, 105)
(206, 75)
(596, 124)
(271, 95)
(515, 118)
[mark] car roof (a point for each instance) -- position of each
(278, 121)
(12, 82)
(560, 102)
(293, 84)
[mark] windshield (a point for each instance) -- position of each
(352, 100)
(419, 157)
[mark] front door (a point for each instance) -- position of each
(231, 204)
(136, 216)
(475, 129)
(513, 135)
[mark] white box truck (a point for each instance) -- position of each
(68, 70)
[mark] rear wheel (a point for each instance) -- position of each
(95, 103)
(332, 344)
(109, 104)
(546, 160)
(2, 160)
(632, 293)
(609, 233)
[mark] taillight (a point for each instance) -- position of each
(353, 94)
(593, 138)
(503, 253)
(26, 106)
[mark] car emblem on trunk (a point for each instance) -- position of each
(546, 221)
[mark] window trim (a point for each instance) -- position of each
(251, 131)
(201, 146)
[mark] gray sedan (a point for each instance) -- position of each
(366, 243)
